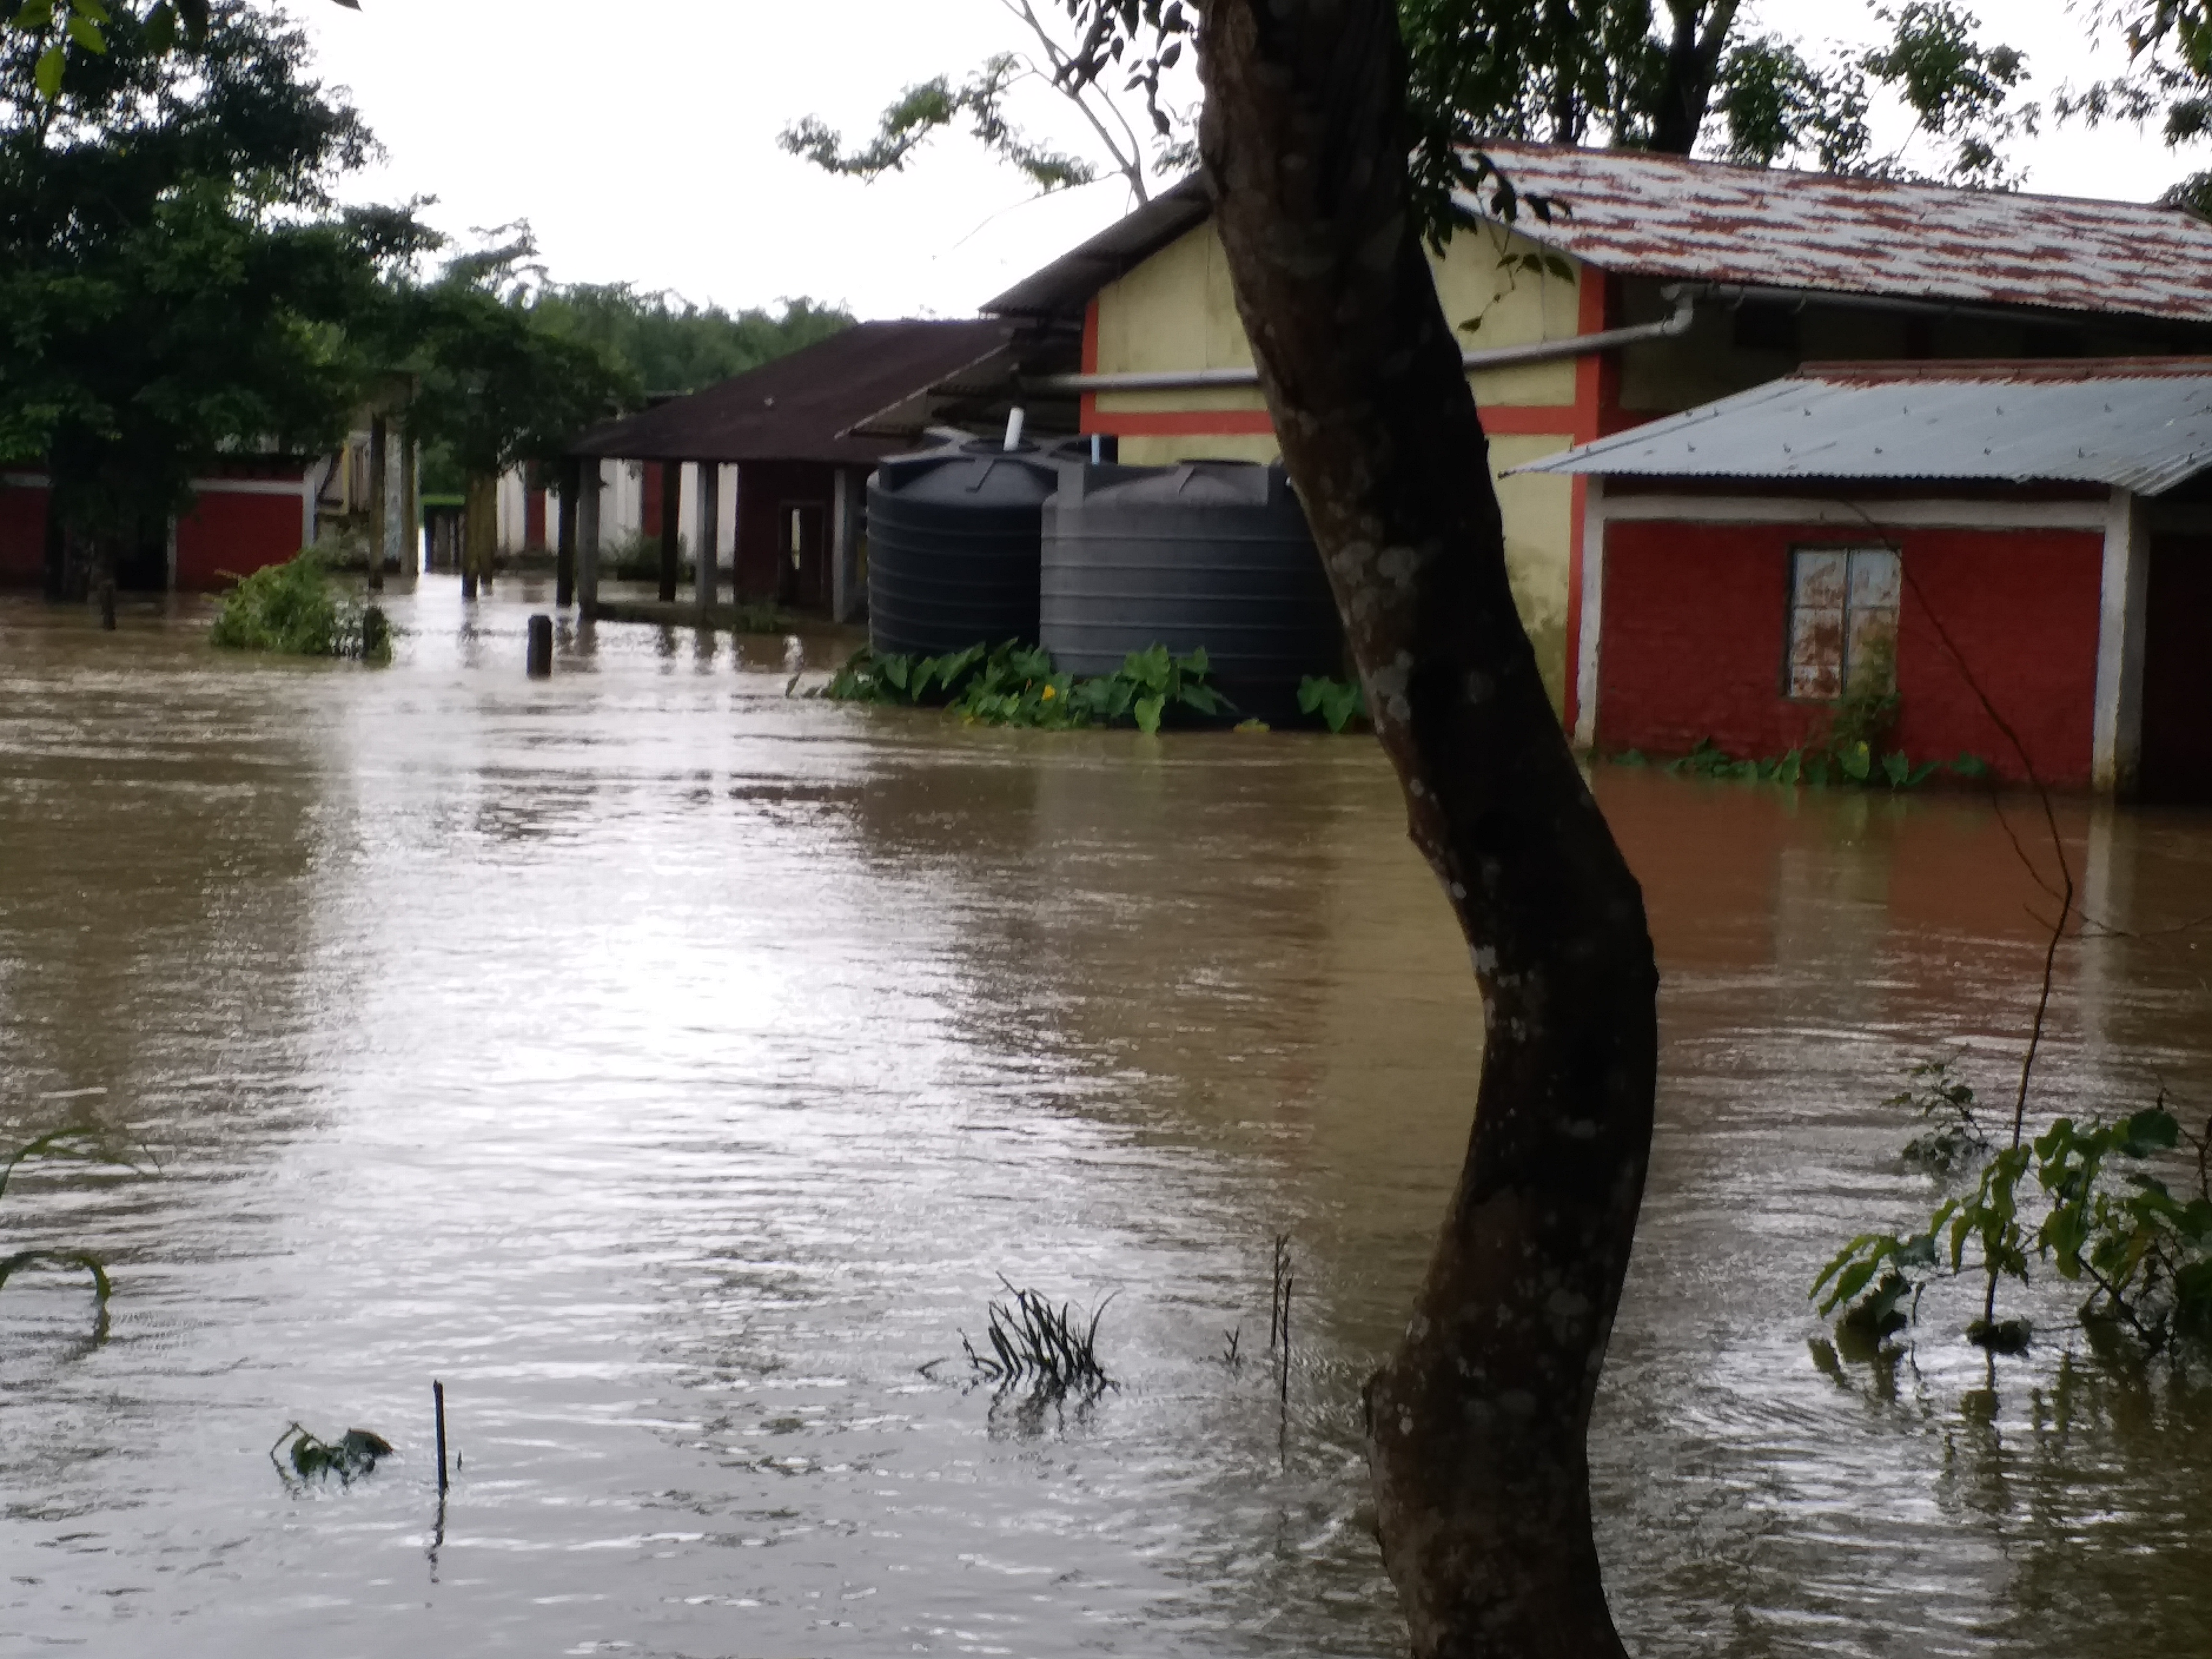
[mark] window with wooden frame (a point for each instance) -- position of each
(1842, 622)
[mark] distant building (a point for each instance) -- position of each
(251, 513)
(789, 445)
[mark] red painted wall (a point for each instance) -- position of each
(649, 503)
(533, 517)
(1696, 618)
(766, 490)
(227, 535)
(22, 535)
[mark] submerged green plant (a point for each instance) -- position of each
(1854, 763)
(352, 1455)
(1339, 703)
(2108, 1223)
(1032, 1342)
(1013, 684)
(293, 609)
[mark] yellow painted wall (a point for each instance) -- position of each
(1176, 311)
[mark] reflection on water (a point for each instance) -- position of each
(672, 1067)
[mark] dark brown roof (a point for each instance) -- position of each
(1063, 288)
(799, 408)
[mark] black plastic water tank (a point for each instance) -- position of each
(953, 542)
(1212, 553)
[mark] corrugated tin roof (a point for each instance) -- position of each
(1666, 216)
(800, 407)
(2144, 425)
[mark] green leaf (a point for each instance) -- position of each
(161, 30)
(86, 33)
(1147, 711)
(48, 74)
(1897, 769)
(36, 16)
(2151, 1131)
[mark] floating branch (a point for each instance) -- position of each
(354, 1454)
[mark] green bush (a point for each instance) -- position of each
(293, 609)
(1013, 684)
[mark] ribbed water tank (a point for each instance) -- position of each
(953, 540)
(1211, 554)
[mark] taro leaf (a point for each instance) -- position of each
(1897, 769)
(2150, 1131)
(1147, 711)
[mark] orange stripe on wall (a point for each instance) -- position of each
(1499, 420)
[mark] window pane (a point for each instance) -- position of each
(1818, 587)
(1875, 581)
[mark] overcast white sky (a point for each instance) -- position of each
(642, 148)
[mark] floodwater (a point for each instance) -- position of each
(672, 1067)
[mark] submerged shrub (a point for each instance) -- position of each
(1013, 684)
(291, 608)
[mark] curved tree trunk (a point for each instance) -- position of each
(1476, 1426)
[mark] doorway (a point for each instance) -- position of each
(803, 564)
(2177, 689)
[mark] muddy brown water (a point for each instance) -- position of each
(672, 1067)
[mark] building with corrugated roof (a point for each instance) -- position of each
(2020, 552)
(1653, 285)
(758, 479)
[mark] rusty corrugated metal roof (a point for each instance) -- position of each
(2144, 425)
(1670, 218)
(1664, 216)
(801, 407)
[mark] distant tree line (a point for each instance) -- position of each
(179, 287)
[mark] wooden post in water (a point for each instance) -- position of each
(587, 539)
(672, 511)
(707, 550)
(564, 556)
(438, 1401)
(541, 648)
(380, 498)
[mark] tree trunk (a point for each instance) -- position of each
(1477, 1424)
(479, 533)
(1694, 60)
(100, 546)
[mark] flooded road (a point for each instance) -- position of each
(672, 1067)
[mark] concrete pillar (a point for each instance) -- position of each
(411, 504)
(564, 554)
(1593, 616)
(2115, 747)
(380, 498)
(587, 540)
(706, 549)
(849, 593)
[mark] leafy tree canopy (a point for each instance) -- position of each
(1683, 77)
(178, 281)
